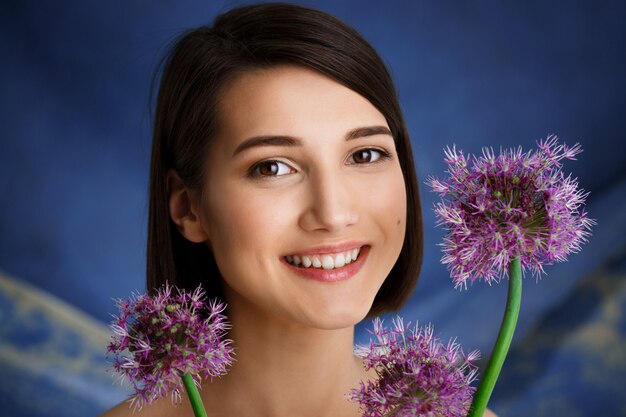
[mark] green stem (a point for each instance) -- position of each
(194, 396)
(501, 347)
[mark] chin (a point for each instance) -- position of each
(339, 318)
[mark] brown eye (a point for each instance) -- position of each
(366, 156)
(362, 156)
(270, 168)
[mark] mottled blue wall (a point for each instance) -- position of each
(75, 132)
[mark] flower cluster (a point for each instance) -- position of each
(158, 338)
(417, 374)
(501, 207)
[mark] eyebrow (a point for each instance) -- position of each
(281, 140)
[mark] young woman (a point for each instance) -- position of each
(283, 181)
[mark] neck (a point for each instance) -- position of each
(285, 369)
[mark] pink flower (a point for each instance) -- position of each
(158, 338)
(500, 207)
(417, 374)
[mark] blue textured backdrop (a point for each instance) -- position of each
(74, 150)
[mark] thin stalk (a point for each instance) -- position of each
(503, 342)
(194, 396)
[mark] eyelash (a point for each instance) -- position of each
(383, 155)
(253, 172)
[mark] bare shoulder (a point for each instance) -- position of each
(120, 410)
(489, 413)
(160, 408)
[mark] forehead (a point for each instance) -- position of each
(291, 100)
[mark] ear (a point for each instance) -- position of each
(184, 209)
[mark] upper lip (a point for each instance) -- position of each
(328, 249)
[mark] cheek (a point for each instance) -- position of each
(247, 233)
(387, 202)
(387, 205)
(244, 226)
(234, 229)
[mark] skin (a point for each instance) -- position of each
(293, 335)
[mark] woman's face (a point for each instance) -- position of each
(303, 170)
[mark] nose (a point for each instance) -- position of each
(330, 203)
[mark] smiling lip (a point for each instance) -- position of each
(329, 249)
(331, 275)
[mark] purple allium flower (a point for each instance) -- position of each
(500, 207)
(158, 338)
(417, 374)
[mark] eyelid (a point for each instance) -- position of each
(251, 173)
(384, 155)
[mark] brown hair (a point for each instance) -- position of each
(197, 70)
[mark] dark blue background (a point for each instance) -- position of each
(75, 142)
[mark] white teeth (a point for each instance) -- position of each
(340, 260)
(326, 262)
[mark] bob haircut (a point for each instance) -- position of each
(198, 70)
